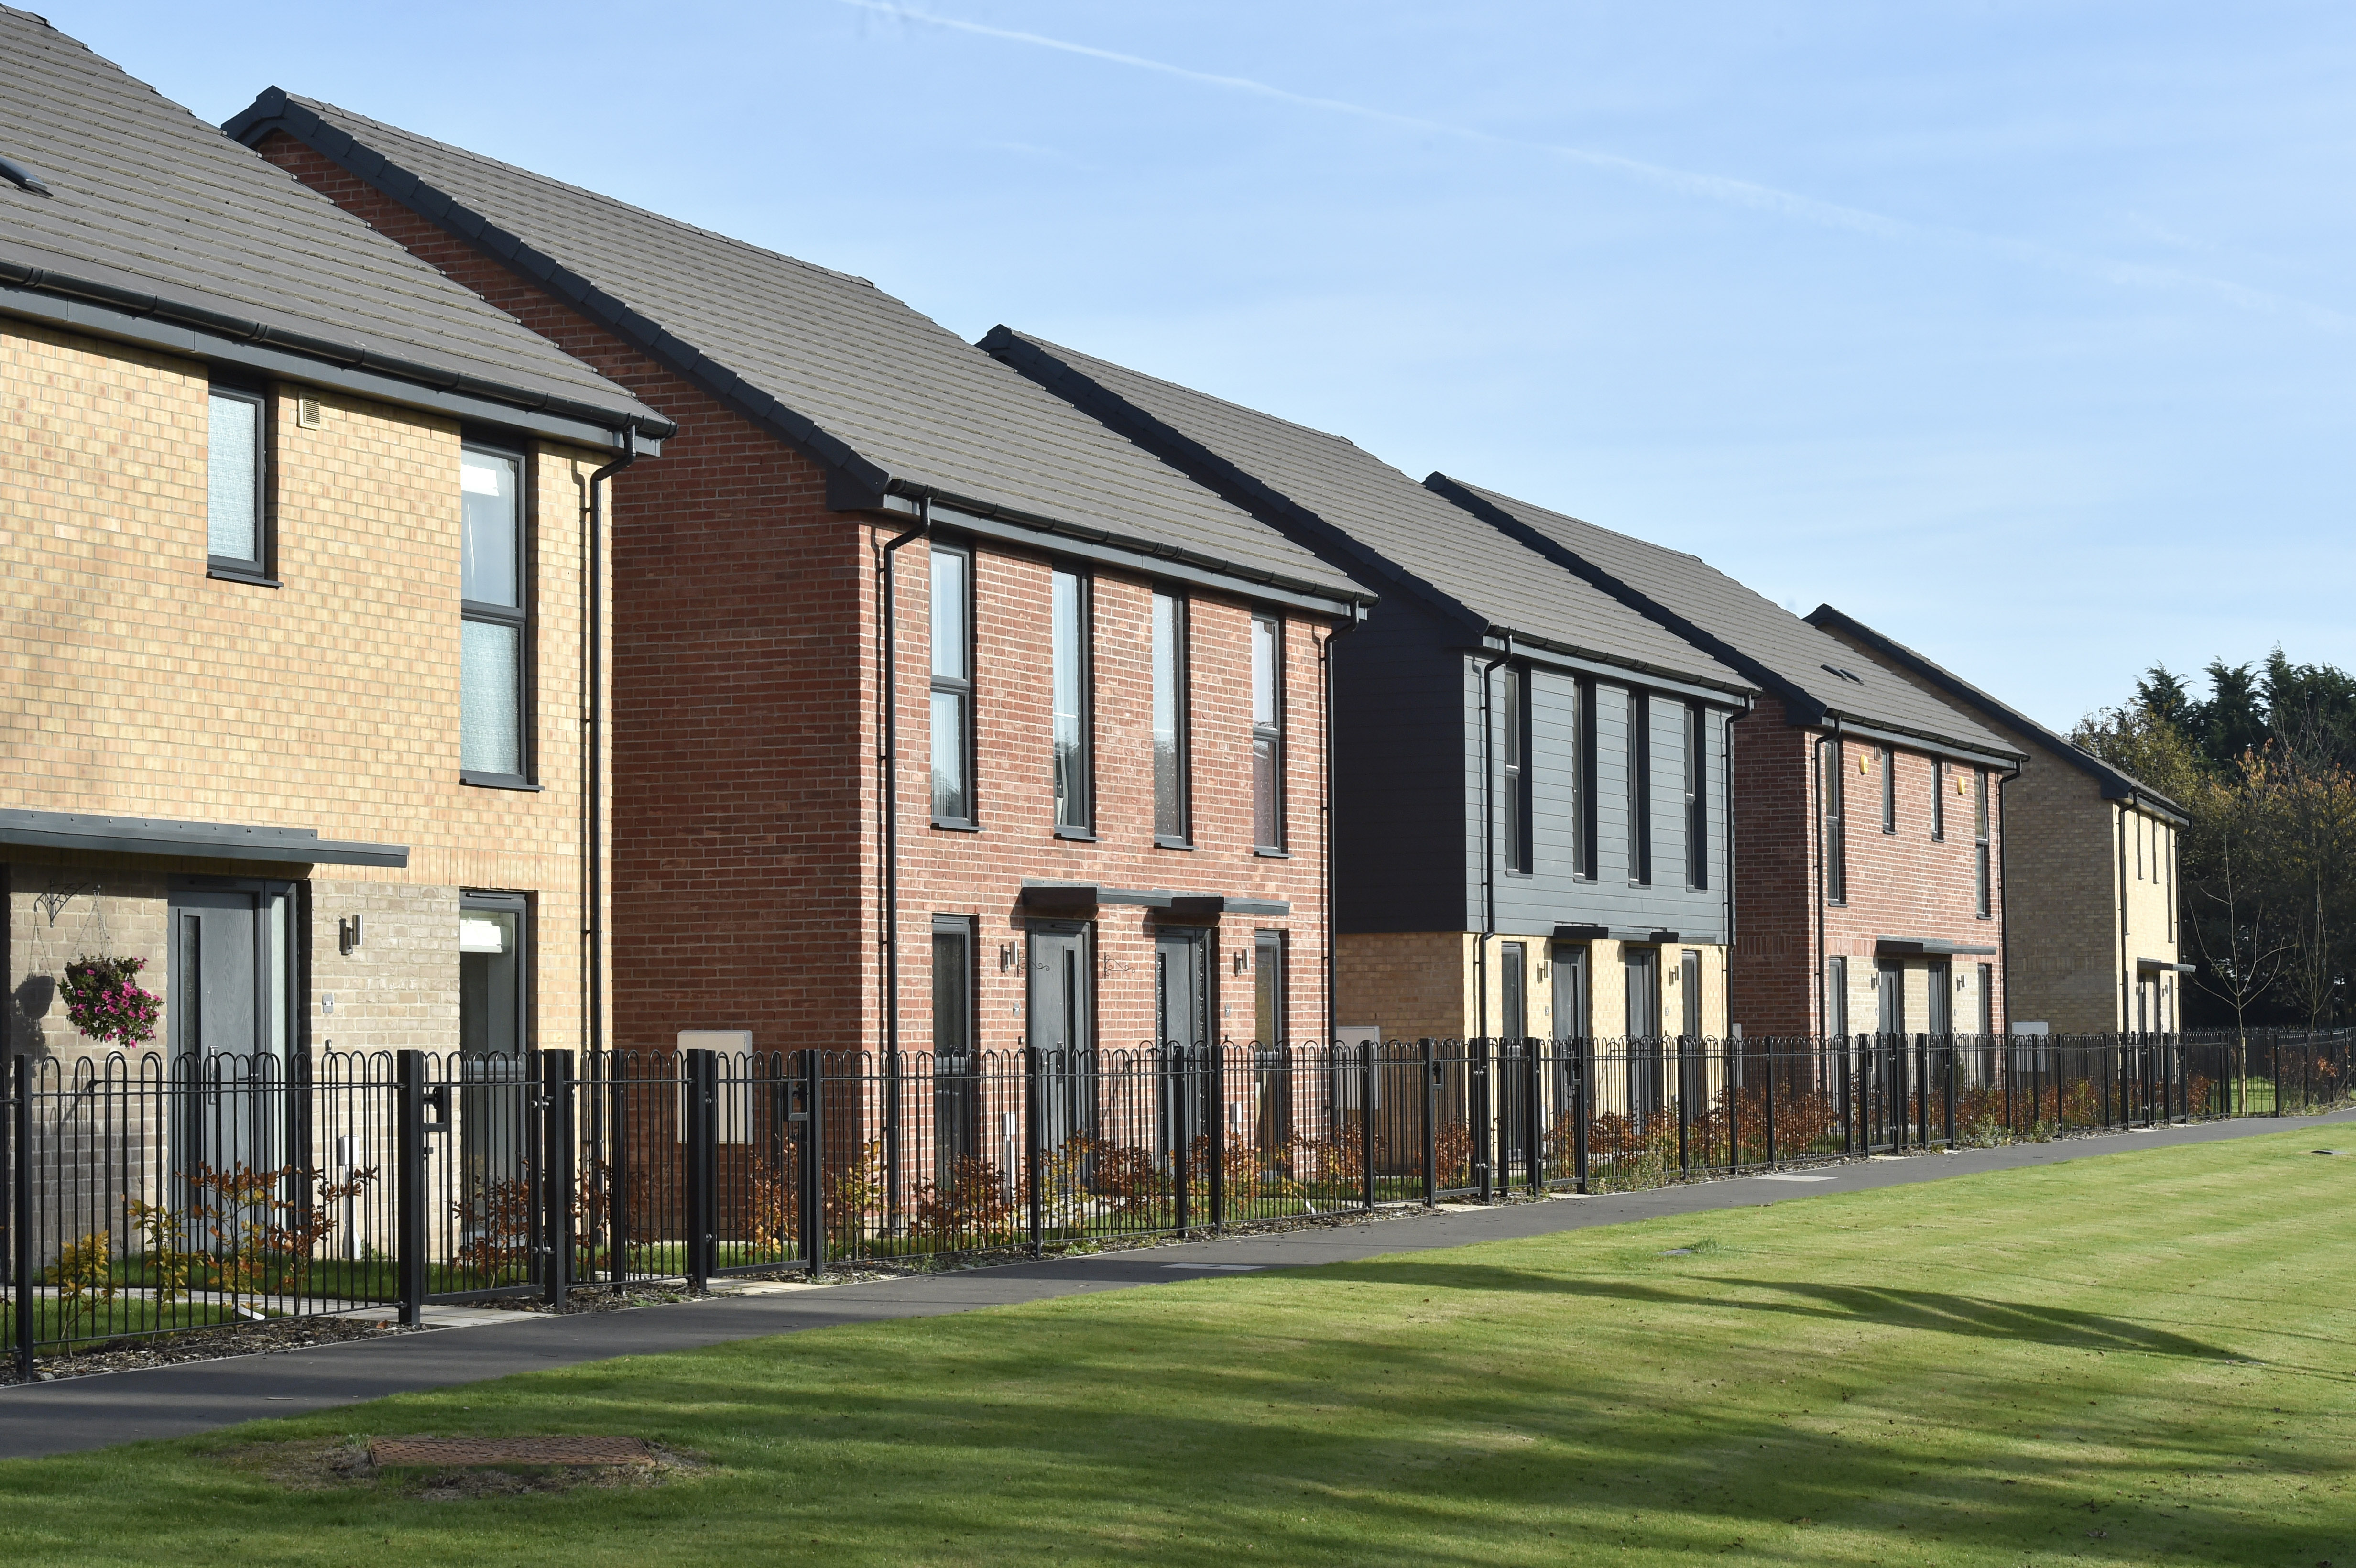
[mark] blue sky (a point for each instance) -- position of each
(2021, 331)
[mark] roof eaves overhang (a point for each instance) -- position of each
(853, 482)
(1611, 667)
(2115, 786)
(1151, 557)
(1800, 706)
(1223, 477)
(1909, 739)
(190, 841)
(151, 320)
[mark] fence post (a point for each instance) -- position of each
(1685, 1110)
(1178, 1063)
(557, 1150)
(1951, 1091)
(20, 1210)
(1367, 1127)
(1581, 1072)
(1218, 1098)
(1864, 1056)
(1431, 1124)
(695, 1093)
(1768, 1058)
(814, 1160)
(618, 1173)
(1533, 1118)
(1030, 1162)
(1481, 1111)
(409, 1191)
(1733, 1106)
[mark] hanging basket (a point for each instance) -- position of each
(105, 1001)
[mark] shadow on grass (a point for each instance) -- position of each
(1933, 1311)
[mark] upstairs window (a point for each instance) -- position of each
(1696, 796)
(237, 484)
(1836, 832)
(952, 636)
(493, 695)
(1640, 789)
(1582, 779)
(1172, 763)
(1981, 897)
(1889, 759)
(1068, 633)
(1512, 724)
(1938, 800)
(1268, 734)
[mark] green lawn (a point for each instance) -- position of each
(2145, 1358)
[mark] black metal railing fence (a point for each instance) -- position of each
(144, 1196)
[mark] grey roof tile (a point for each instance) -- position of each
(149, 199)
(1357, 494)
(880, 381)
(1783, 650)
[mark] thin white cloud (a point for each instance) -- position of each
(1687, 182)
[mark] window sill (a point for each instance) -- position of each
(942, 826)
(1077, 835)
(1273, 854)
(498, 781)
(219, 573)
(1161, 843)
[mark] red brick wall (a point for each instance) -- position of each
(1902, 884)
(747, 724)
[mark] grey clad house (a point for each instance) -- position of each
(1869, 814)
(1531, 789)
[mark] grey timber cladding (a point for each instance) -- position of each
(1391, 517)
(1399, 737)
(148, 200)
(1780, 649)
(1553, 893)
(865, 382)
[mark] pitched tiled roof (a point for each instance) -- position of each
(152, 211)
(1785, 654)
(1330, 487)
(2116, 783)
(863, 382)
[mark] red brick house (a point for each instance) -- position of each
(1868, 813)
(1070, 789)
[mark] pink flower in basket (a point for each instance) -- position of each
(106, 1003)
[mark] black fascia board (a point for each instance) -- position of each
(1904, 738)
(1148, 558)
(2116, 785)
(1610, 666)
(189, 840)
(1801, 708)
(77, 306)
(129, 306)
(1215, 473)
(854, 483)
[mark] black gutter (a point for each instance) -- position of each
(854, 483)
(49, 281)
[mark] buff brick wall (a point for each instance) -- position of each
(747, 705)
(138, 686)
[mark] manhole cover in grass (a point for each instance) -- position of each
(462, 1453)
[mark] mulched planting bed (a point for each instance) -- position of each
(272, 1338)
(453, 1470)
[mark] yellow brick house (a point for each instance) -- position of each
(301, 548)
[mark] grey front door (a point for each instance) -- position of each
(1943, 999)
(1182, 1016)
(1061, 1014)
(228, 997)
(1642, 968)
(1890, 983)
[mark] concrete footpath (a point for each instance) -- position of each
(76, 1413)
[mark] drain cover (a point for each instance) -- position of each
(460, 1452)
